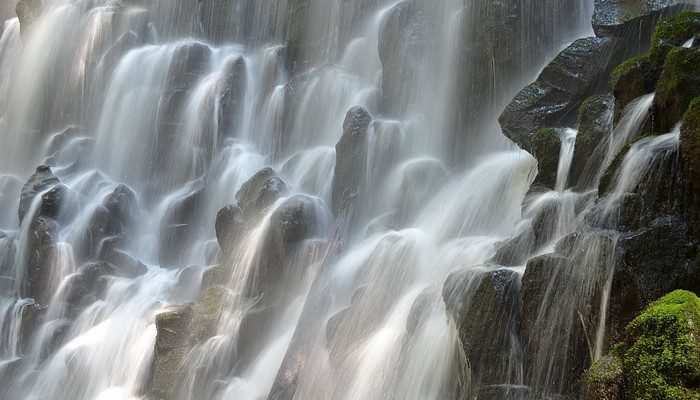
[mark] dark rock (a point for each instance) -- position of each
(41, 251)
(173, 342)
(546, 145)
(230, 227)
(189, 61)
(298, 45)
(351, 158)
(402, 37)
(32, 315)
(566, 245)
(54, 201)
(678, 85)
(172, 325)
(40, 181)
(594, 131)
(127, 265)
(690, 145)
(630, 80)
(102, 225)
(232, 97)
(517, 250)
(260, 192)
(503, 392)
(123, 206)
(633, 19)
(296, 220)
(578, 72)
(605, 379)
(483, 305)
(95, 275)
(179, 228)
(665, 249)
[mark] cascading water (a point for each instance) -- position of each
(333, 266)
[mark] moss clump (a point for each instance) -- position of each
(690, 144)
(678, 86)
(659, 361)
(663, 359)
(207, 312)
(673, 32)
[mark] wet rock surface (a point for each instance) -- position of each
(579, 71)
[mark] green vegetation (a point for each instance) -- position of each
(661, 358)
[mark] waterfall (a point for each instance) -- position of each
(293, 200)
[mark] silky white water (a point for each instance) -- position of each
(183, 104)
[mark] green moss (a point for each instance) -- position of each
(663, 359)
(673, 32)
(207, 312)
(690, 144)
(630, 80)
(678, 85)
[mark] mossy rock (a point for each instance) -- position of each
(167, 371)
(207, 312)
(663, 359)
(608, 177)
(678, 85)
(690, 144)
(604, 380)
(546, 145)
(630, 80)
(670, 33)
(594, 127)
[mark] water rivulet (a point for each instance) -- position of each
(314, 199)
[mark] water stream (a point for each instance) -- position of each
(154, 114)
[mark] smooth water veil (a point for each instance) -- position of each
(301, 199)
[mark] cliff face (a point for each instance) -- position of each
(632, 175)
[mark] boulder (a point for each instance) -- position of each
(231, 100)
(546, 146)
(665, 248)
(230, 227)
(297, 219)
(122, 204)
(297, 42)
(351, 158)
(179, 226)
(662, 361)
(402, 38)
(40, 181)
(690, 145)
(38, 269)
(594, 131)
(604, 379)
(517, 250)
(258, 193)
(678, 85)
(173, 342)
(635, 19)
(581, 70)
(483, 305)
